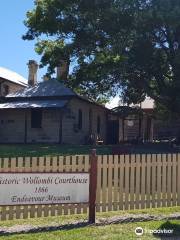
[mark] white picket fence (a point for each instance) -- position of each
(123, 182)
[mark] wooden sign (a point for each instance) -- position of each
(37, 188)
(43, 188)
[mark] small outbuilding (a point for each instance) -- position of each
(131, 124)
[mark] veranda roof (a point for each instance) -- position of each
(34, 104)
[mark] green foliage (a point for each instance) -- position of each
(91, 34)
(124, 46)
(153, 61)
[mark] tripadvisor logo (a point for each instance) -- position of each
(139, 231)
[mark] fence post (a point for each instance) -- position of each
(92, 186)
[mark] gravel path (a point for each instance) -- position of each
(17, 229)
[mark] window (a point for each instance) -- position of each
(6, 90)
(10, 121)
(36, 118)
(80, 119)
(98, 125)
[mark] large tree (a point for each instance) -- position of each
(130, 47)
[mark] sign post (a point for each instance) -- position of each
(41, 188)
(92, 186)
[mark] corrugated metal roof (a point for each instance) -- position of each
(34, 104)
(47, 88)
(50, 88)
(12, 76)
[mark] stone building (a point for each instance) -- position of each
(49, 112)
(10, 81)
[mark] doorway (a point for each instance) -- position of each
(113, 132)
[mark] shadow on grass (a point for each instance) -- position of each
(167, 231)
(43, 229)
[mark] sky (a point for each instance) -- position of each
(15, 52)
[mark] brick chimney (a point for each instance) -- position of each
(63, 70)
(33, 67)
(45, 78)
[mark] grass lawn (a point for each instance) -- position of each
(110, 232)
(37, 150)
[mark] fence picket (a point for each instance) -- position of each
(159, 191)
(121, 183)
(6, 165)
(127, 164)
(80, 169)
(67, 169)
(153, 181)
(115, 183)
(109, 186)
(174, 182)
(148, 181)
(27, 164)
(132, 178)
(137, 192)
(143, 167)
(169, 177)
(164, 185)
(74, 168)
(104, 183)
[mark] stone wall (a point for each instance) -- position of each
(12, 127)
(71, 133)
(12, 124)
